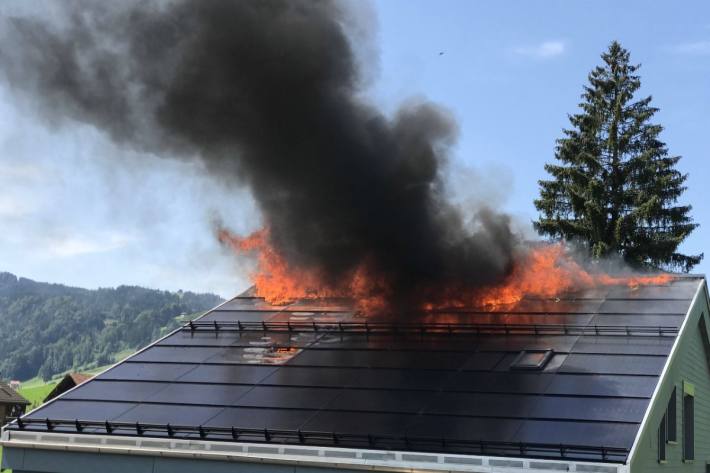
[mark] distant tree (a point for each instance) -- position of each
(614, 188)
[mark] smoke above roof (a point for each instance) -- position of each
(268, 94)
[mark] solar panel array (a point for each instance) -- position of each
(300, 377)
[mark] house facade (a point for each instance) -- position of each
(12, 404)
(676, 433)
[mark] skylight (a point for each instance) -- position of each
(532, 359)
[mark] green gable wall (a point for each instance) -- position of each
(689, 363)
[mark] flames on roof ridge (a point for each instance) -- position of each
(545, 271)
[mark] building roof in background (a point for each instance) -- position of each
(564, 378)
(10, 396)
(66, 383)
(79, 378)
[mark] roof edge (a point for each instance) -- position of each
(702, 288)
(14, 396)
(316, 456)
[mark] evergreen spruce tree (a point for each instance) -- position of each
(614, 188)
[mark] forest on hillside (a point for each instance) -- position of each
(46, 329)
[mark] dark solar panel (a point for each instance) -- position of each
(505, 363)
(410, 342)
(168, 414)
(613, 364)
(516, 343)
(228, 374)
(288, 397)
(593, 409)
(206, 394)
(148, 371)
(484, 361)
(184, 354)
(359, 423)
(624, 345)
(244, 354)
(485, 405)
(500, 382)
(338, 358)
(602, 385)
(253, 418)
(186, 338)
(432, 360)
(555, 306)
(589, 433)
(633, 306)
(85, 410)
(401, 379)
(465, 428)
(311, 376)
(382, 401)
(233, 338)
(380, 359)
(643, 320)
(116, 390)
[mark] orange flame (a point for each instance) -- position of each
(549, 271)
(278, 283)
(543, 272)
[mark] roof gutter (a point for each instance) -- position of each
(332, 457)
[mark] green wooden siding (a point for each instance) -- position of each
(690, 364)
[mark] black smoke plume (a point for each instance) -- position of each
(268, 94)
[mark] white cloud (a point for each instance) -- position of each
(81, 245)
(18, 184)
(544, 50)
(13, 207)
(22, 172)
(696, 48)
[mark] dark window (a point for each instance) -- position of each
(704, 337)
(671, 429)
(532, 359)
(16, 410)
(662, 440)
(688, 427)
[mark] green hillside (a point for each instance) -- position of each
(48, 329)
(36, 392)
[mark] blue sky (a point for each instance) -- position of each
(510, 73)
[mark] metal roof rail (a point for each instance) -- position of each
(316, 438)
(385, 328)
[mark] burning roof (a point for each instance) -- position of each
(569, 377)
